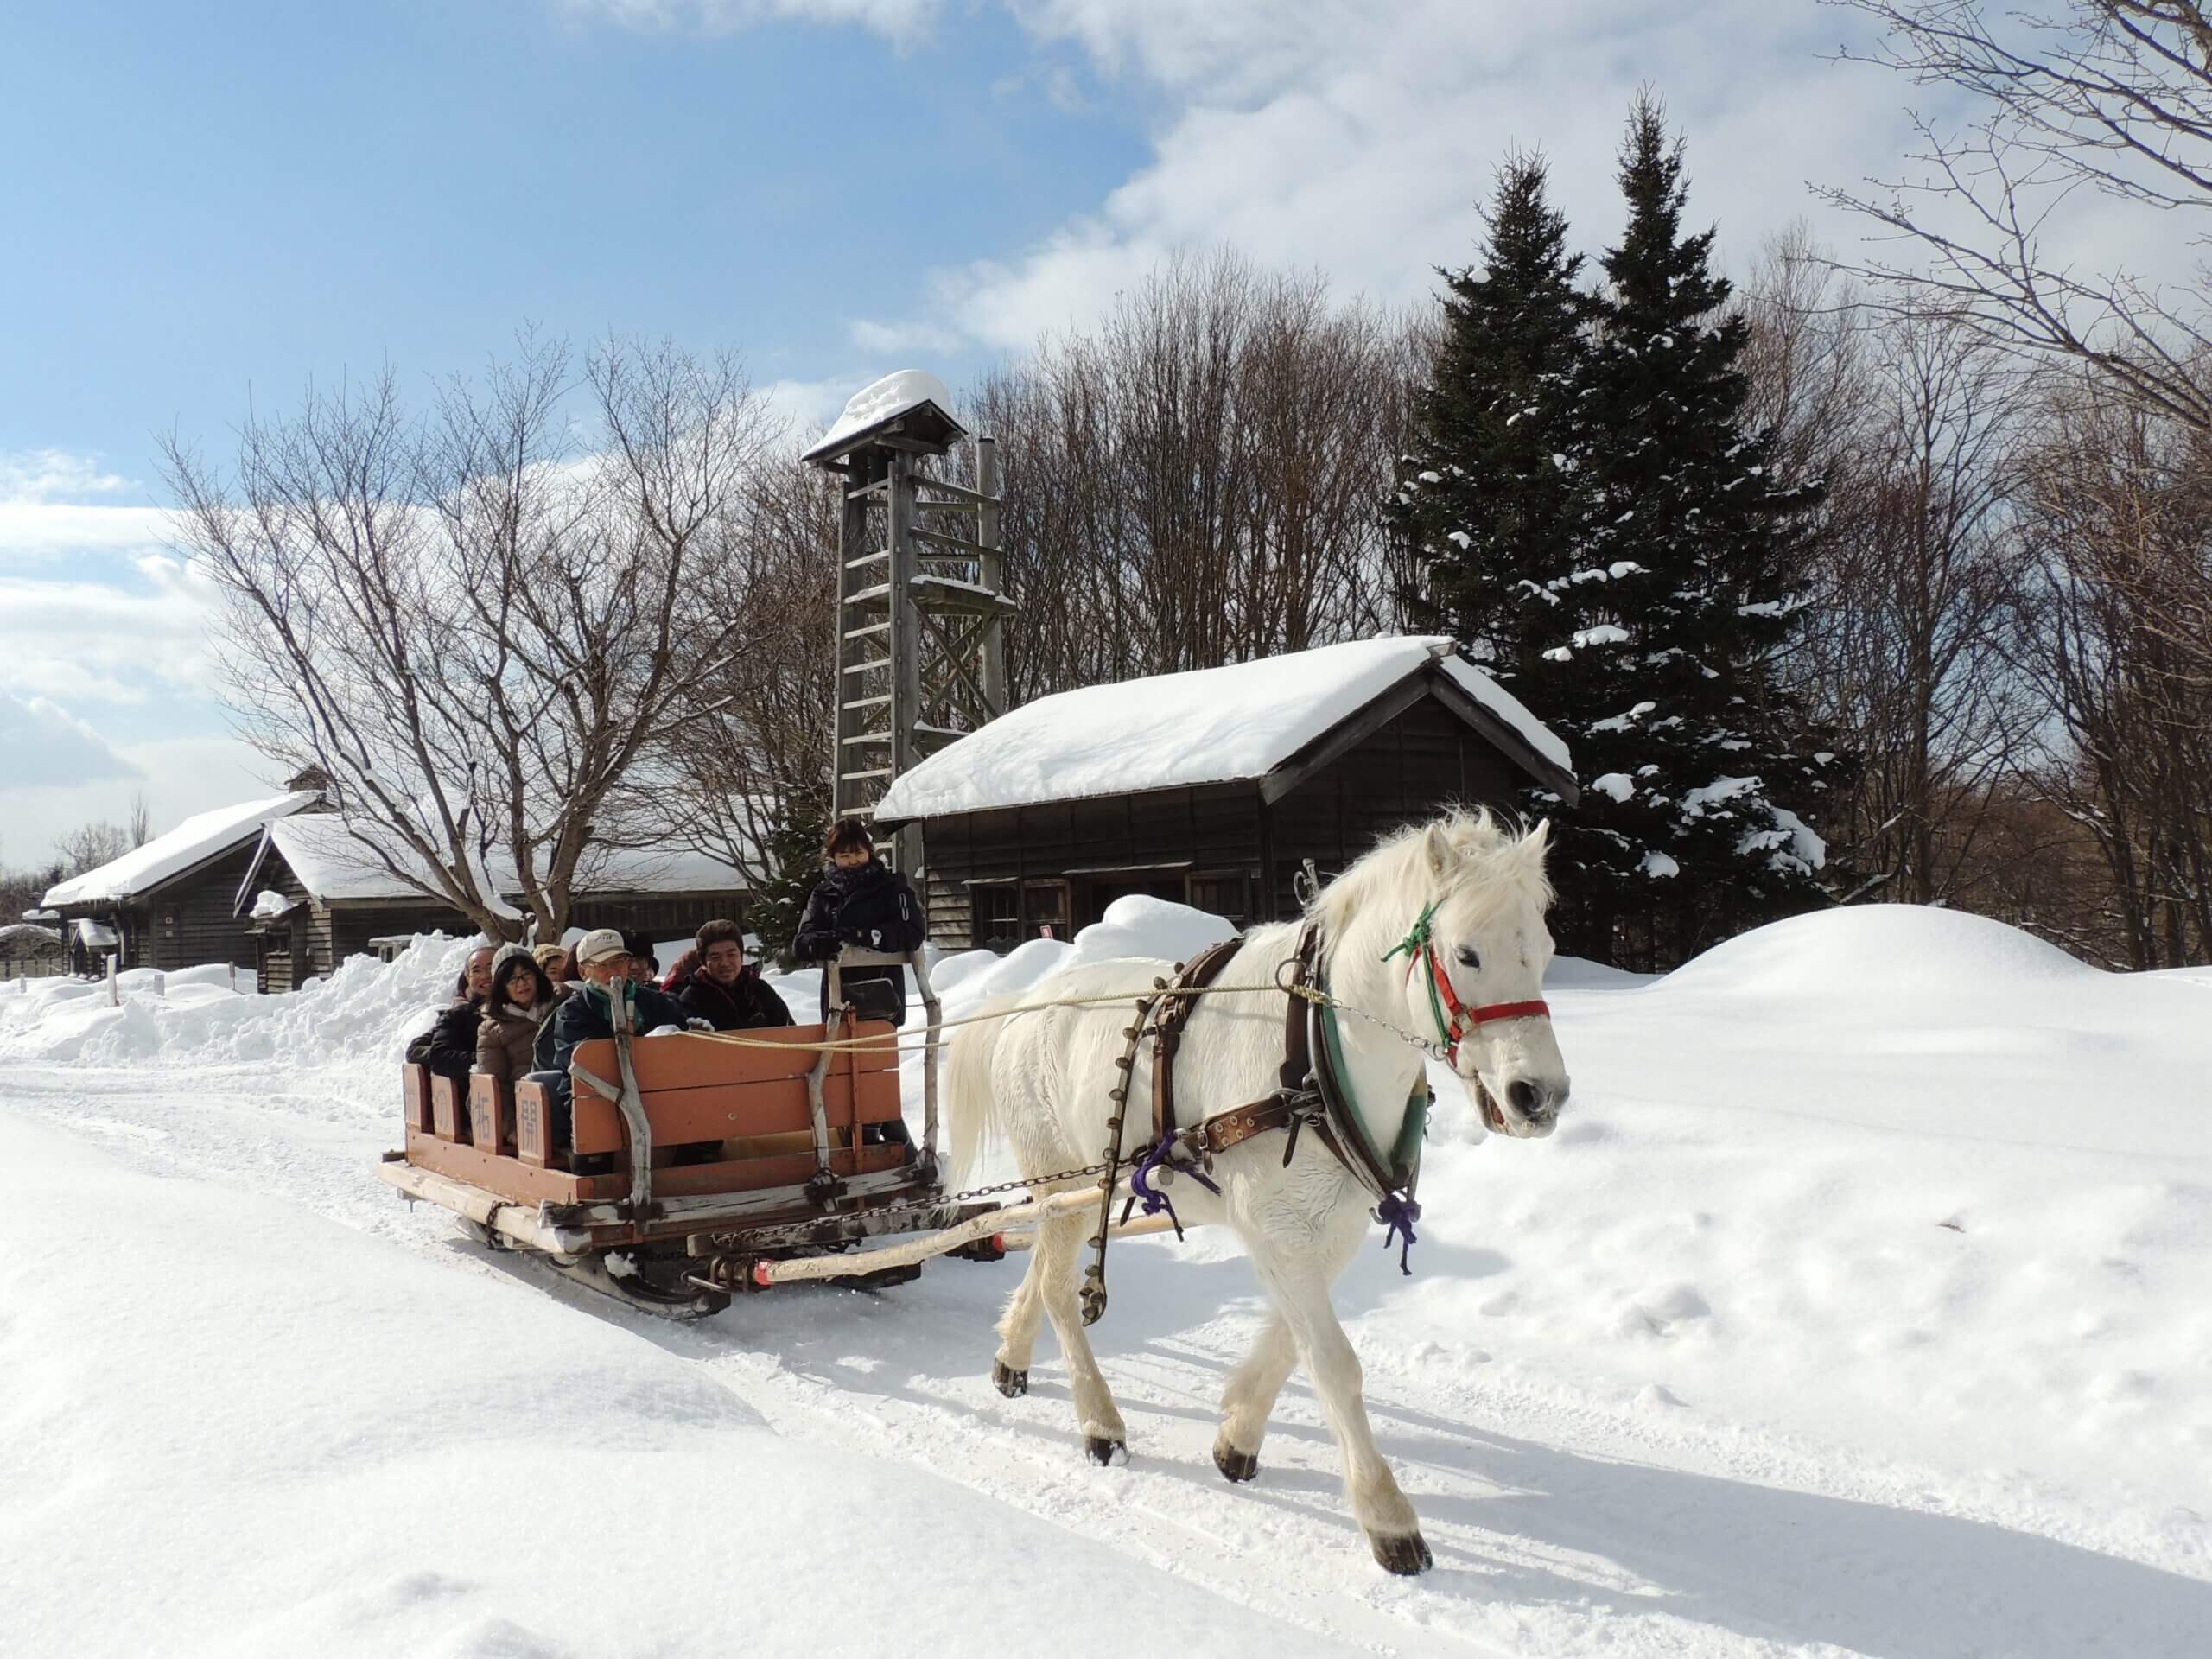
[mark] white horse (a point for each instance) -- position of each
(1040, 1080)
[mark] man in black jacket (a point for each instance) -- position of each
(449, 1047)
(861, 901)
(725, 990)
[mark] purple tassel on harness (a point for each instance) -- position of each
(1398, 1216)
(1150, 1198)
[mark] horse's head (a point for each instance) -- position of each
(1483, 966)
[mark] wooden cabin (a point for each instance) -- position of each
(169, 904)
(313, 895)
(1212, 788)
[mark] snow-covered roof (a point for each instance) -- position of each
(333, 865)
(882, 401)
(1212, 725)
(199, 838)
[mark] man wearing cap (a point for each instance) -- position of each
(602, 956)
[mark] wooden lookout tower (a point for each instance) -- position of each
(921, 655)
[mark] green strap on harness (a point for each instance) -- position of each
(1404, 1162)
(1414, 945)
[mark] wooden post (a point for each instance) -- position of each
(114, 993)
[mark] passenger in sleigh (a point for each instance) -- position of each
(449, 1048)
(716, 983)
(860, 900)
(588, 1014)
(520, 1002)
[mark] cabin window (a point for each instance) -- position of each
(997, 912)
(1044, 904)
(1226, 893)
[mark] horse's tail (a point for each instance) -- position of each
(971, 1105)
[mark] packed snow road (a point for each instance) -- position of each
(1856, 1309)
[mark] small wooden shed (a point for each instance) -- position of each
(1210, 788)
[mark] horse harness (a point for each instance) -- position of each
(1311, 1092)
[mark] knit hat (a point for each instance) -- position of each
(599, 943)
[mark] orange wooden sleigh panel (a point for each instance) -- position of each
(751, 1100)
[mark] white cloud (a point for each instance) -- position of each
(43, 745)
(1336, 135)
(808, 406)
(52, 474)
(117, 641)
(904, 21)
(45, 514)
(929, 337)
(178, 777)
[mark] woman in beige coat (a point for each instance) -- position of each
(520, 1000)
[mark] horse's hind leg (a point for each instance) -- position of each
(1059, 1242)
(1300, 1290)
(1248, 1400)
(1024, 1311)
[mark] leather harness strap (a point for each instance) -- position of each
(1167, 1029)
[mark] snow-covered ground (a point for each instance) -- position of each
(1858, 1307)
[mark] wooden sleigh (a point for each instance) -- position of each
(689, 1153)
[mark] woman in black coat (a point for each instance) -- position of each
(860, 901)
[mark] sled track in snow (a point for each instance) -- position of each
(1562, 1524)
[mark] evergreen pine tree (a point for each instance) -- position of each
(794, 854)
(1690, 755)
(1492, 498)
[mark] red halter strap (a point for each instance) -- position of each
(1463, 1018)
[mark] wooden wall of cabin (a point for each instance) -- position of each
(658, 917)
(189, 920)
(1410, 769)
(999, 878)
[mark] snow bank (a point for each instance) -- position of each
(367, 1010)
(1882, 950)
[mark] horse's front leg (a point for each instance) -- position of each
(1059, 1245)
(1294, 1273)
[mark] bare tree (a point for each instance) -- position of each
(2091, 98)
(92, 844)
(751, 757)
(1194, 480)
(2120, 502)
(474, 626)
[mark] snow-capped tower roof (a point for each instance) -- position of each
(907, 403)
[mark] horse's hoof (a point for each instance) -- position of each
(1008, 1381)
(1404, 1554)
(1234, 1464)
(1102, 1450)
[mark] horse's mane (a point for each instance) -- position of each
(1393, 877)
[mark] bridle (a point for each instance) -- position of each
(1454, 1019)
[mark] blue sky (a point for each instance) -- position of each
(209, 204)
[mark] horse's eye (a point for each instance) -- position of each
(1469, 958)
